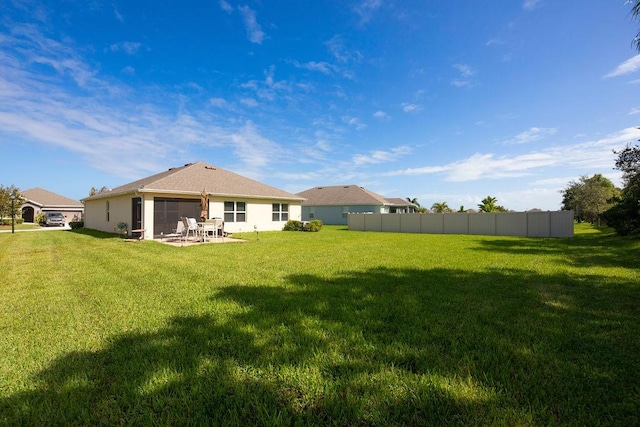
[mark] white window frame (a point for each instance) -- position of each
(235, 214)
(279, 212)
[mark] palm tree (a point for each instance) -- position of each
(413, 201)
(440, 207)
(635, 14)
(488, 204)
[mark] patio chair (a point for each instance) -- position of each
(190, 226)
(215, 225)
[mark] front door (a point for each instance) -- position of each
(27, 214)
(136, 215)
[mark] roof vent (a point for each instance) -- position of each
(210, 167)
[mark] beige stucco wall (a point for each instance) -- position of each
(258, 214)
(95, 213)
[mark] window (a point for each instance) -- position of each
(235, 212)
(280, 212)
(345, 211)
(108, 211)
(312, 212)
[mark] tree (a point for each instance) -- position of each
(413, 201)
(440, 207)
(5, 201)
(93, 191)
(488, 204)
(635, 14)
(589, 197)
(624, 215)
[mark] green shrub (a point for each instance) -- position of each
(293, 225)
(39, 219)
(313, 225)
(76, 224)
(7, 221)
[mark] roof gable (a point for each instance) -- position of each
(45, 198)
(341, 195)
(193, 178)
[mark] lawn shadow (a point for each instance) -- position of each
(380, 346)
(590, 250)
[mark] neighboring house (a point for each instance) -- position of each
(42, 201)
(332, 204)
(156, 204)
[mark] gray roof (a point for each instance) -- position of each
(48, 199)
(343, 195)
(193, 178)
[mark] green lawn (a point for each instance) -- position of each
(329, 328)
(27, 226)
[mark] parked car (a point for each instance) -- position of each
(53, 218)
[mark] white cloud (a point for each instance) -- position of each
(464, 69)
(218, 102)
(411, 108)
(629, 66)
(249, 102)
(322, 67)
(254, 31)
(530, 135)
(122, 131)
(225, 6)
(465, 72)
(338, 48)
(381, 156)
(633, 111)
(530, 4)
(381, 115)
(587, 156)
(367, 8)
(130, 48)
(355, 122)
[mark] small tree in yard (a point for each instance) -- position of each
(5, 202)
(589, 197)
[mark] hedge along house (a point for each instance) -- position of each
(39, 201)
(332, 204)
(156, 204)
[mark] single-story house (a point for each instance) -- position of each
(157, 203)
(332, 204)
(39, 200)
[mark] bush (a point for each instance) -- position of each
(39, 219)
(293, 225)
(76, 224)
(313, 225)
(7, 221)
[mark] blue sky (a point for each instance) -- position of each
(439, 100)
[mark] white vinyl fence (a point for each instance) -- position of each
(527, 224)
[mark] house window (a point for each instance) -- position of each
(312, 213)
(235, 211)
(280, 212)
(345, 211)
(108, 211)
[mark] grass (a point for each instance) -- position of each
(328, 328)
(23, 226)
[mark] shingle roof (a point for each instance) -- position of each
(192, 178)
(337, 195)
(47, 198)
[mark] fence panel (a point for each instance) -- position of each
(484, 224)
(431, 223)
(511, 224)
(532, 224)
